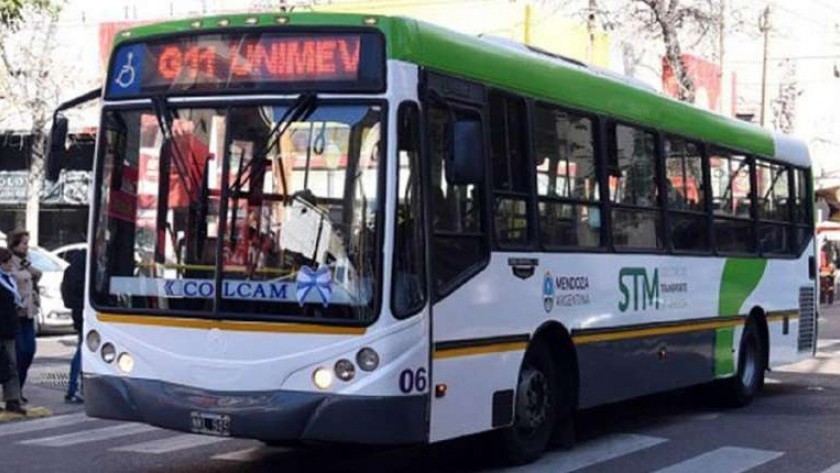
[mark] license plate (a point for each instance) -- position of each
(211, 424)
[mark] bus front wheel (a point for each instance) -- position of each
(535, 407)
(751, 365)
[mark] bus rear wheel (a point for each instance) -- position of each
(535, 409)
(751, 366)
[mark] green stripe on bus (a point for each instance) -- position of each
(474, 58)
(739, 279)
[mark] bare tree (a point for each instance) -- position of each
(31, 82)
(12, 11)
(672, 26)
(784, 106)
(670, 18)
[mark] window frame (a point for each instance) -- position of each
(146, 105)
(470, 97)
(791, 251)
(808, 201)
(492, 192)
(706, 213)
(598, 160)
(404, 106)
(610, 142)
(748, 158)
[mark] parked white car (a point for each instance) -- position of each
(66, 252)
(53, 317)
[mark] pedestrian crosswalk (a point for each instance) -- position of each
(85, 436)
(604, 453)
(729, 459)
(171, 444)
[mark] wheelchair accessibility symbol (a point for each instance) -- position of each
(127, 72)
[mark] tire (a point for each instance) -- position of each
(535, 407)
(749, 377)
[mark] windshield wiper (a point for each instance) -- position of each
(299, 110)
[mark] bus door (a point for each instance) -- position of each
(458, 248)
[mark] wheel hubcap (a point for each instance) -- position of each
(533, 400)
(749, 362)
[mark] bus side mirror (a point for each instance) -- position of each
(466, 164)
(57, 151)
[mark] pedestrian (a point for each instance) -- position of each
(27, 277)
(10, 302)
(73, 293)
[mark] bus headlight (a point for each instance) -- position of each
(125, 362)
(108, 352)
(345, 370)
(93, 340)
(367, 359)
(322, 377)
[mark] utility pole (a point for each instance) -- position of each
(526, 31)
(764, 26)
(590, 29)
(725, 82)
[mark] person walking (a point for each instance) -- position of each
(10, 302)
(26, 276)
(73, 293)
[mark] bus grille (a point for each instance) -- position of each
(807, 320)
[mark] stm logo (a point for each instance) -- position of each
(638, 288)
(548, 292)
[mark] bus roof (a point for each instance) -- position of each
(529, 72)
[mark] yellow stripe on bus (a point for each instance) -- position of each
(777, 316)
(231, 325)
(649, 332)
(479, 350)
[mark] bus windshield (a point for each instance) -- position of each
(258, 211)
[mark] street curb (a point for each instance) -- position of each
(31, 413)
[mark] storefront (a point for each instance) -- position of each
(63, 215)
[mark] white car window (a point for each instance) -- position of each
(43, 262)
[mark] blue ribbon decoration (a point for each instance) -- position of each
(319, 279)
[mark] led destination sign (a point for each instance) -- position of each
(249, 61)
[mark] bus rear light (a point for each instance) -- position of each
(345, 370)
(108, 353)
(93, 340)
(322, 377)
(125, 362)
(367, 359)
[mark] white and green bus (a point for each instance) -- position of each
(365, 229)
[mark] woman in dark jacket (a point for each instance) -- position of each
(10, 301)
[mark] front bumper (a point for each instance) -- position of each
(263, 415)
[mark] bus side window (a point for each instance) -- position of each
(409, 279)
(511, 169)
(731, 201)
(636, 219)
(685, 191)
(458, 242)
(568, 211)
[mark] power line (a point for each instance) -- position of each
(786, 58)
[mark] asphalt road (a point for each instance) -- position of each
(794, 426)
